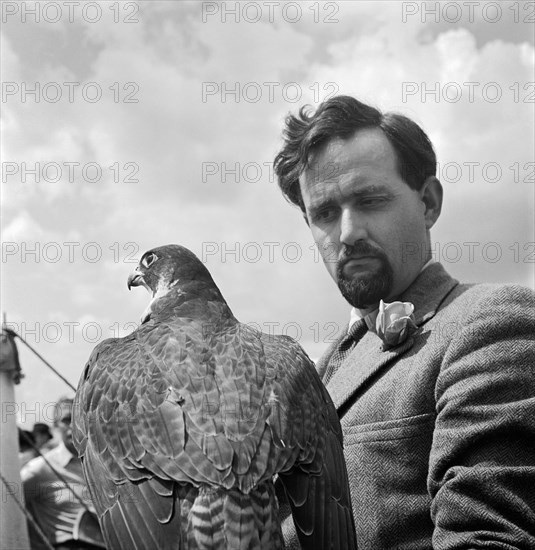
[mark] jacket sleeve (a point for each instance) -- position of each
(482, 461)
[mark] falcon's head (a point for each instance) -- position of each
(160, 269)
(166, 267)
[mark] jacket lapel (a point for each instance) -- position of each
(369, 357)
(323, 361)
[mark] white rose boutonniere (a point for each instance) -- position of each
(394, 322)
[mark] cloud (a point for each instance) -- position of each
(202, 163)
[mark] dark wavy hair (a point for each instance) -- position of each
(341, 117)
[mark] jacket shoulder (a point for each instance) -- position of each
(490, 298)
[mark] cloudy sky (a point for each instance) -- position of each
(128, 125)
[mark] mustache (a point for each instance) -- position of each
(358, 250)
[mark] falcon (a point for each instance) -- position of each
(184, 424)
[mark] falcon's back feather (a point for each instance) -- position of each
(183, 424)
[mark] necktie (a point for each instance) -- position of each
(354, 334)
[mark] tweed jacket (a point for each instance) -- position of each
(439, 431)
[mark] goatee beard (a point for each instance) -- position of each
(363, 291)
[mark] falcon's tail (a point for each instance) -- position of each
(234, 520)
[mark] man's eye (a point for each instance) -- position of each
(324, 215)
(373, 201)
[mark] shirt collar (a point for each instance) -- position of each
(370, 315)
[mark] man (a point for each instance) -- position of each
(436, 394)
(56, 494)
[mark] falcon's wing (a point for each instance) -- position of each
(317, 486)
(119, 437)
(130, 426)
(170, 405)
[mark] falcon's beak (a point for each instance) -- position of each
(135, 279)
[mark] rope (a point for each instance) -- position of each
(29, 516)
(13, 333)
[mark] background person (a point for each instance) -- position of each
(56, 494)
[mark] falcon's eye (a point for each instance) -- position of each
(149, 259)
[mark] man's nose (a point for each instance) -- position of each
(352, 227)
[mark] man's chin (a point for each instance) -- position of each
(366, 290)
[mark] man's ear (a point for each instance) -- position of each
(431, 194)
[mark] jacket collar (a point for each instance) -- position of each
(428, 292)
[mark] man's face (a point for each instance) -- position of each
(63, 425)
(366, 221)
